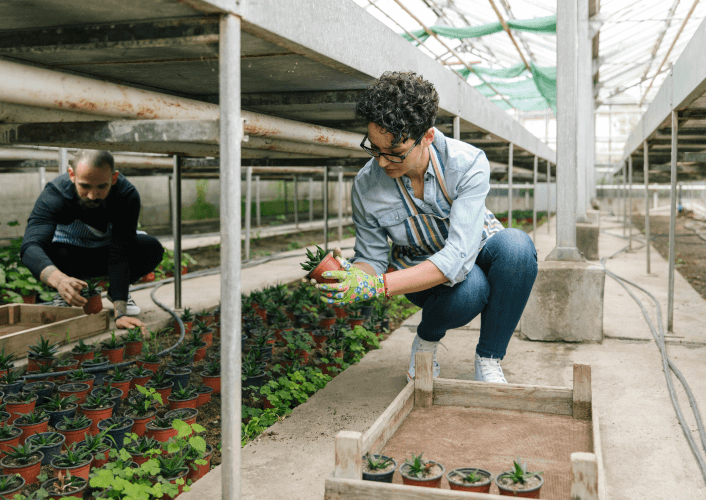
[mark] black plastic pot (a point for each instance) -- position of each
(115, 396)
(12, 491)
(117, 433)
(180, 413)
(385, 477)
(180, 376)
(100, 373)
(13, 388)
(366, 311)
(44, 393)
(57, 416)
(49, 451)
(385, 323)
(256, 381)
(266, 353)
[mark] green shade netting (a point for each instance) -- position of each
(511, 72)
(539, 25)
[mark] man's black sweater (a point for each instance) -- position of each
(59, 204)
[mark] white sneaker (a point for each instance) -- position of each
(132, 308)
(421, 345)
(489, 370)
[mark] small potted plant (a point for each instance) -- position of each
(20, 404)
(120, 379)
(98, 366)
(253, 375)
(187, 415)
(6, 364)
(319, 262)
(142, 448)
(199, 462)
(160, 429)
(79, 376)
(97, 408)
(74, 428)
(149, 361)
(113, 348)
(187, 318)
(98, 446)
(59, 407)
(378, 468)
(11, 486)
(9, 437)
(173, 469)
(205, 393)
(419, 472)
(111, 393)
(32, 422)
(199, 347)
(133, 342)
(49, 443)
(74, 460)
(140, 376)
(141, 409)
(11, 383)
(204, 332)
(470, 479)
(211, 376)
(117, 428)
(92, 293)
(205, 316)
(183, 397)
(179, 375)
(42, 353)
(161, 383)
(82, 352)
(42, 389)
(65, 485)
(24, 460)
(80, 390)
(518, 482)
(65, 365)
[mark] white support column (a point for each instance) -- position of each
(655, 200)
(584, 108)
(625, 199)
(311, 199)
(258, 219)
(534, 200)
(296, 201)
(646, 169)
(672, 221)
(42, 178)
(457, 128)
(549, 196)
(248, 210)
(340, 204)
(509, 186)
(231, 135)
(629, 197)
(324, 189)
(176, 230)
(63, 161)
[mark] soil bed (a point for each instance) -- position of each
(690, 249)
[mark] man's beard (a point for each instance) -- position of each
(87, 204)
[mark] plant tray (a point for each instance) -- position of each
(21, 325)
(462, 423)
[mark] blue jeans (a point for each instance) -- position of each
(497, 288)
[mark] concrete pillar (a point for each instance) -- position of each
(629, 197)
(176, 231)
(584, 109)
(655, 198)
(549, 196)
(248, 210)
(296, 202)
(258, 219)
(340, 204)
(672, 221)
(457, 128)
(534, 199)
(625, 200)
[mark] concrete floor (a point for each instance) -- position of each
(644, 449)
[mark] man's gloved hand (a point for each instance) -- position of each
(353, 285)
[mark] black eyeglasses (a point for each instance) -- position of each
(390, 157)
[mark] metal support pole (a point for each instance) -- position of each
(457, 128)
(176, 231)
(231, 135)
(258, 219)
(527, 194)
(286, 210)
(340, 205)
(625, 200)
(248, 210)
(645, 167)
(296, 202)
(672, 224)
(655, 198)
(311, 199)
(170, 197)
(534, 200)
(549, 196)
(629, 202)
(42, 178)
(324, 189)
(63, 161)
(509, 187)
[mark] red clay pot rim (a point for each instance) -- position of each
(44, 421)
(111, 402)
(505, 488)
(14, 437)
(476, 469)
(137, 419)
(16, 467)
(169, 398)
(71, 431)
(433, 478)
(22, 485)
(34, 400)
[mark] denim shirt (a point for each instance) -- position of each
(379, 211)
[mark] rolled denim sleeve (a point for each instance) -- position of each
(459, 254)
(371, 244)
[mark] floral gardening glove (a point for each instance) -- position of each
(353, 285)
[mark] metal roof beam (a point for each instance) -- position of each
(658, 42)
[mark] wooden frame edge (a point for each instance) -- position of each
(356, 489)
(376, 437)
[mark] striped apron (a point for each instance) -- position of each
(427, 233)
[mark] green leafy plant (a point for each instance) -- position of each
(519, 473)
(471, 477)
(187, 316)
(79, 375)
(313, 259)
(72, 457)
(113, 342)
(417, 467)
(43, 348)
(134, 335)
(6, 360)
(91, 289)
(79, 421)
(184, 393)
(143, 404)
(8, 431)
(12, 377)
(36, 417)
(23, 454)
(9, 482)
(378, 463)
(99, 400)
(120, 376)
(20, 282)
(213, 368)
(58, 403)
(142, 445)
(45, 439)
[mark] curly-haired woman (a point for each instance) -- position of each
(449, 255)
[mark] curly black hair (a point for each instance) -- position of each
(401, 102)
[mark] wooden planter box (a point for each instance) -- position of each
(559, 418)
(22, 324)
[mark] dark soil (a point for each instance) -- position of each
(690, 249)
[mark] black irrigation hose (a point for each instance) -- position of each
(667, 363)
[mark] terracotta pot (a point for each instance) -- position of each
(139, 459)
(139, 427)
(30, 299)
(59, 496)
(303, 355)
(89, 381)
(161, 435)
(455, 483)
(4, 417)
(114, 356)
(188, 325)
(175, 403)
(99, 462)
(74, 435)
(148, 278)
(67, 368)
(328, 263)
(327, 323)
(207, 337)
(80, 390)
(212, 381)
(11, 493)
(133, 348)
(153, 367)
(340, 312)
(509, 492)
(206, 318)
(28, 472)
(430, 482)
(18, 409)
(123, 386)
(205, 396)
(140, 380)
(217, 329)
(319, 340)
(353, 322)
(30, 429)
(338, 357)
(81, 470)
(197, 471)
(96, 415)
(94, 305)
(11, 441)
(173, 480)
(326, 369)
(191, 419)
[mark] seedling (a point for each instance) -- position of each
(142, 445)
(82, 347)
(91, 289)
(66, 483)
(171, 466)
(92, 444)
(378, 463)
(45, 439)
(471, 477)
(9, 482)
(417, 467)
(78, 375)
(44, 349)
(187, 316)
(162, 422)
(32, 418)
(98, 401)
(519, 473)
(8, 431)
(120, 376)
(213, 368)
(134, 335)
(143, 404)
(6, 361)
(58, 403)
(113, 342)
(22, 454)
(73, 424)
(72, 457)
(313, 259)
(184, 393)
